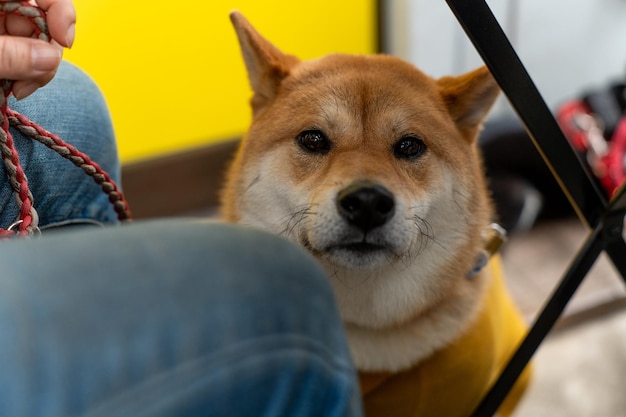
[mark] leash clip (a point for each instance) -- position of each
(33, 232)
(494, 237)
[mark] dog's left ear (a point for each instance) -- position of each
(267, 66)
(469, 98)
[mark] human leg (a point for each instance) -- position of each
(173, 318)
(72, 107)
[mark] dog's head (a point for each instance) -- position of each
(370, 165)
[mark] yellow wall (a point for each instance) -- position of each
(171, 71)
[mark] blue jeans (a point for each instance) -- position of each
(161, 318)
(72, 107)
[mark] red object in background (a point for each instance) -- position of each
(604, 157)
(616, 164)
(566, 116)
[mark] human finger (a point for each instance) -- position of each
(16, 25)
(24, 88)
(28, 59)
(61, 17)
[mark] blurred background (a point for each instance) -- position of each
(174, 78)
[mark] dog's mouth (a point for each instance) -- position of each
(354, 254)
(359, 255)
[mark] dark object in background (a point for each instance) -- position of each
(522, 186)
(619, 91)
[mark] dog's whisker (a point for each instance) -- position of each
(462, 202)
(351, 283)
(427, 235)
(252, 183)
(296, 219)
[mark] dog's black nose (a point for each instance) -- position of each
(365, 205)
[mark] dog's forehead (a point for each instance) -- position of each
(378, 90)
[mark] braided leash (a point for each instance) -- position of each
(27, 222)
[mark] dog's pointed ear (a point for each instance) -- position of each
(267, 66)
(469, 98)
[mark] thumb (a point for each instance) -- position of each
(27, 59)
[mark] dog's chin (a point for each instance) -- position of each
(353, 255)
(358, 255)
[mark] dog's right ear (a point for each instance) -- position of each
(267, 66)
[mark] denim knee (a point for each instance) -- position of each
(186, 314)
(72, 107)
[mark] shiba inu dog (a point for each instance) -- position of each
(373, 167)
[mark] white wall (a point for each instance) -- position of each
(567, 46)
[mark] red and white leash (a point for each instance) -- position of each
(27, 222)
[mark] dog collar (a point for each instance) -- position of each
(493, 237)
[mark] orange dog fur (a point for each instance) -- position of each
(373, 167)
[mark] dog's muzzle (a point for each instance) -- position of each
(365, 205)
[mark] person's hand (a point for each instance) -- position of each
(32, 63)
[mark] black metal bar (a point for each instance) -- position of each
(490, 41)
(616, 251)
(617, 254)
(618, 201)
(577, 271)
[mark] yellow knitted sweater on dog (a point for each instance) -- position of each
(453, 380)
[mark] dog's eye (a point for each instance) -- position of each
(314, 141)
(409, 147)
